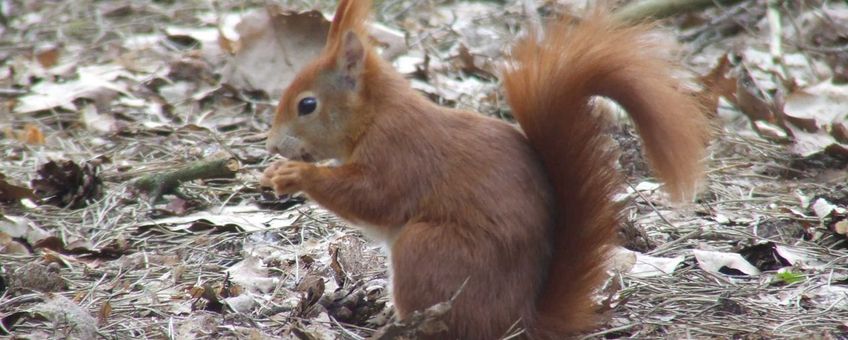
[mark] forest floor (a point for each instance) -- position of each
(95, 95)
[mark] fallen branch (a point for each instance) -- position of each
(160, 184)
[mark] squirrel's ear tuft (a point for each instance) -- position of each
(351, 15)
(351, 58)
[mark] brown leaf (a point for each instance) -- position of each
(806, 144)
(837, 149)
(274, 42)
(473, 64)
(817, 106)
(771, 132)
(338, 272)
(22, 229)
(31, 134)
(839, 130)
(47, 56)
(828, 30)
(718, 84)
(841, 227)
(51, 242)
(751, 100)
(817, 117)
(116, 10)
(10, 246)
(311, 289)
(86, 249)
(10, 193)
(104, 313)
(228, 45)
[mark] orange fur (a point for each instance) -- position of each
(525, 218)
(350, 15)
(549, 84)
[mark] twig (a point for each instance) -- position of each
(775, 34)
(608, 331)
(650, 204)
(160, 184)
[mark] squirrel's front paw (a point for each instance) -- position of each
(286, 177)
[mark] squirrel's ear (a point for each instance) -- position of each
(351, 57)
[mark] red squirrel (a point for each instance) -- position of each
(524, 217)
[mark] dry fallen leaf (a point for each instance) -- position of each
(244, 217)
(791, 255)
(273, 45)
(199, 324)
(10, 193)
(47, 56)
(643, 266)
(839, 130)
(841, 227)
(31, 134)
(806, 144)
(771, 132)
(241, 304)
(10, 246)
(823, 208)
(717, 83)
(253, 275)
(826, 27)
(770, 256)
(97, 122)
(812, 119)
(751, 99)
(22, 229)
(97, 83)
(820, 104)
(719, 262)
(104, 313)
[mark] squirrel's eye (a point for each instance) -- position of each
(306, 106)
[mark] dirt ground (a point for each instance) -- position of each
(97, 97)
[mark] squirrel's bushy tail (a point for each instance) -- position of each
(549, 82)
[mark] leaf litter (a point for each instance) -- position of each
(151, 87)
